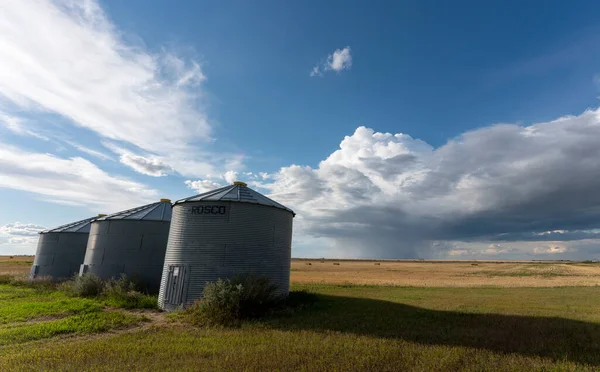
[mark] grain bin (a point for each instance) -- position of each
(219, 234)
(130, 242)
(60, 251)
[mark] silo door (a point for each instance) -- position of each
(174, 289)
(83, 269)
(34, 271)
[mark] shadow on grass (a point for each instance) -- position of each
(555, 338)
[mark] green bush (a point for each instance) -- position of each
(258, 297)
(119, 287)
(87, 285)
(5, 279)
(227, 302)
(124, 292)
(220, 304)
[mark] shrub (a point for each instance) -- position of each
(258, 297)
(220, 304)
(227, 302)
(87, 285)
(124, 292)
(5, 279)
(119, 287)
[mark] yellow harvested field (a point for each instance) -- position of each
(446, 274)
(416, 273)
(15, 265)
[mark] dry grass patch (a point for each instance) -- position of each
(447, 274)
(15, 265)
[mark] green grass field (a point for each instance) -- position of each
(30, 313)
(348, 328)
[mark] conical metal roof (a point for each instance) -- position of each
(82, 226)
(159, 211)
(238, 192)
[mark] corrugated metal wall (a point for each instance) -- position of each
(212, 240)
(59, 255)
(133, 247)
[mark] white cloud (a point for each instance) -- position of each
(67, 58)
(340, 59)
(553, 248)
(230, 176)
(383, 194)
(150, 166)
(19, 237)
(72, 181)
(89, 151)
(16, 125)
(495, 249)
(18, 229)
(202, 186)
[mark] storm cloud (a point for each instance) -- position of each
(389, 195)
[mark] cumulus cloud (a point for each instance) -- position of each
(340, 59)
(550, 249)
(18, 229)
(202, 186)
(389, 195)
(19, 237)
(71, 181)
(230, 176)
(211, 184)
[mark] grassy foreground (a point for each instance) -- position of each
(351, 328)
(38, 313)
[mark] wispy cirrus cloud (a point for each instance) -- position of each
(67, 58)
(71, 181)
(96, 79)
(339, 60)
(16, 125)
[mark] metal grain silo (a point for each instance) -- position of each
(219, 234)
(60, 251)
(131, 242)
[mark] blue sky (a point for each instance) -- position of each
(465, 106)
